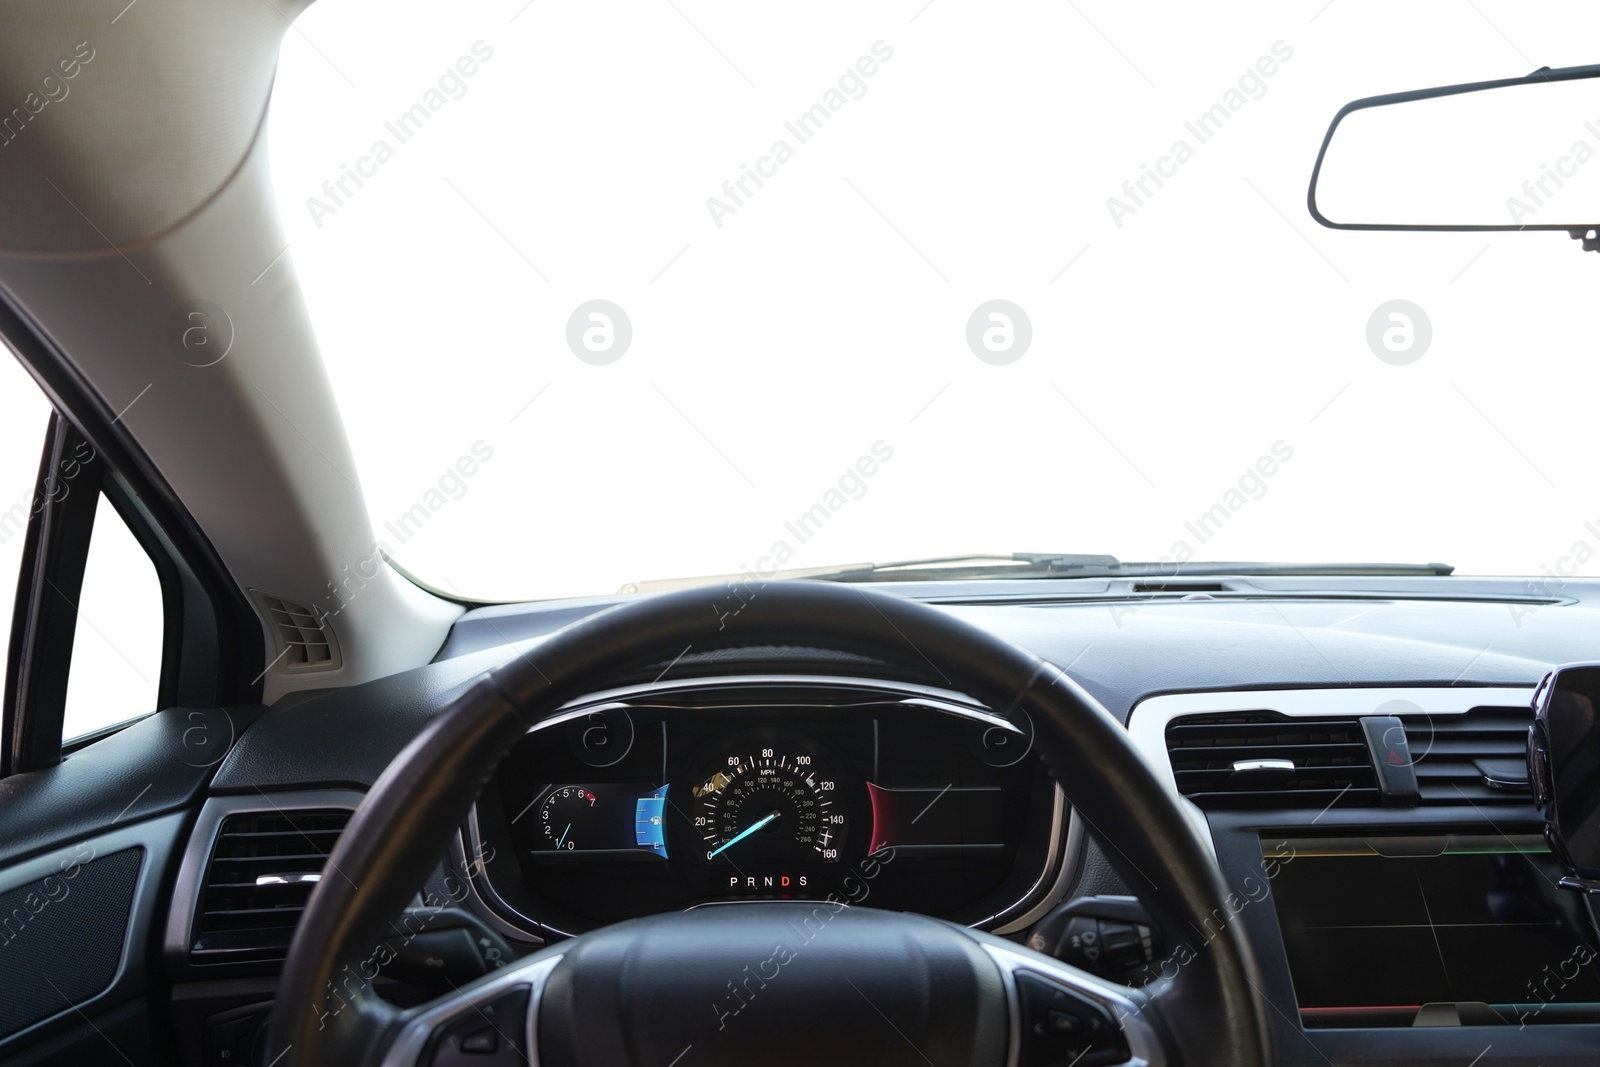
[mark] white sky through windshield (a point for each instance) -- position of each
(800, 213)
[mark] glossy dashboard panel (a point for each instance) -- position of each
(708, 792)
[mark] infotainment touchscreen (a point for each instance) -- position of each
(1442, 930)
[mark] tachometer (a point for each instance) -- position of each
(774, 802)
(619, 820)
(565, 808)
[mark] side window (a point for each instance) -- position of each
(115, 614)
(116, 648)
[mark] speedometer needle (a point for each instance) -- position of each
(741, 835)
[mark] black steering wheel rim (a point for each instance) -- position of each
(325, 1012)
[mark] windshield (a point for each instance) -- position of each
(611, 296)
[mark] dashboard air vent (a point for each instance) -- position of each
(1477, 757)
(1262, 759)
(262, 869)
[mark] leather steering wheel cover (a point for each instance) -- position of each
(423, 797)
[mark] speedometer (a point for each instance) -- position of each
(776, 801)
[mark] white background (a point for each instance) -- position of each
(830, 310)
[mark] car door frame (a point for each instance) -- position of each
(213, 649)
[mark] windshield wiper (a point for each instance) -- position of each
(1070, 565)
(978, 565)
(992, 566)
(1310, 570)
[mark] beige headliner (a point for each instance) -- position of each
(138, 185)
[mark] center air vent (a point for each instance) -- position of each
(1262, 759)
(1478, 757)
(262, 869)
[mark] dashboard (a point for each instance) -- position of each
(1389, 928)
(680, 795)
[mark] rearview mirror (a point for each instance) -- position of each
(1518, 154)
(1564, 769)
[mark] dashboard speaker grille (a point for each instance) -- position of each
(262, 870)
(1479, 757)
(61, 937)
(1263, 759)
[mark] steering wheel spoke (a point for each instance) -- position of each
(1054, 1014)
(1060, 1014)
(492, 1023)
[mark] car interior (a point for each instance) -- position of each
(1013, 809)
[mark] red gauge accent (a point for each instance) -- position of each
(885, 818)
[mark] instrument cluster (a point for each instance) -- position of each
(704, 792)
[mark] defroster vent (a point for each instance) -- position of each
(303, 637)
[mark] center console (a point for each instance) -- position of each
(1385, 858)
(1432, 929)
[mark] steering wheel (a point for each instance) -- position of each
(774, 983)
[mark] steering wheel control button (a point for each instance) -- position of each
(485, 1035)
(1061, 1022)
(1060, 1026)
(485, 1040)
